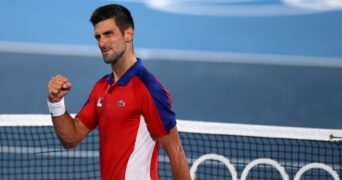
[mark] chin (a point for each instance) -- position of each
(109, 60)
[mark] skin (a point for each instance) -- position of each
(117, 50)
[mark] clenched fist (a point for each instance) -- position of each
(58, 87)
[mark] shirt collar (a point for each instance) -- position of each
(129, 74)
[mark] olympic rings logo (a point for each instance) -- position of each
(256, 162)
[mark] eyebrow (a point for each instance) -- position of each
(105, 33)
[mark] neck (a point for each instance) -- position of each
(122, 65)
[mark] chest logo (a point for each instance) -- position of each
(99, 102)
(121, 103)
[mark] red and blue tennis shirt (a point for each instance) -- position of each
(130, 114)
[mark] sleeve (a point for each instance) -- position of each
(156, 103)
(88, 112)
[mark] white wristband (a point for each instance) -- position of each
(56, 109)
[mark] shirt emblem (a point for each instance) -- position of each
(121, 103)
(99, 102)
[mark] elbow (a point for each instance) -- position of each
(70, 141)
(70, 144)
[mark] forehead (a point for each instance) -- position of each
(105, 25)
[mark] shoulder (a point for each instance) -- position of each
(155, 89)
(103, 79)
(151, 82)
(101, 83)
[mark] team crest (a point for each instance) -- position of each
(99, 102)
(121, 103)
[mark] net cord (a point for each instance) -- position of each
(194, 126)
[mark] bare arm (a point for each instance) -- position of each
(179, 165)
(70, 130)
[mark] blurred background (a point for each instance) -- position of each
(269, 62)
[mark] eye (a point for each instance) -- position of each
(97, 37)
(108, 34)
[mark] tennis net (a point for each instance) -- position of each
(29, 149)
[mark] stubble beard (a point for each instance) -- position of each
(112, 59)
(115, 56)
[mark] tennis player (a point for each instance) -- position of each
(131, 108)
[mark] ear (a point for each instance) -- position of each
(129, 34)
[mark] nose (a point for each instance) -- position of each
(101, 42)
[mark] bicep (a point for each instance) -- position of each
(176, 154)
(171, 142)
(82, 129)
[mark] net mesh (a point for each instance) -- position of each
(33, 152)
(214, 151)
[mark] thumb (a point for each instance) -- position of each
(67, 86)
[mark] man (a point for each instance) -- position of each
(129, 106)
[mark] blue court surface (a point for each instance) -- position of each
(269, 62)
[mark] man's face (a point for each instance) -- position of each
(110, 40)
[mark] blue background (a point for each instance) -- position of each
(256, 93)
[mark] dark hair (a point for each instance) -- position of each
(121, 15)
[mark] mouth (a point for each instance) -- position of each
(105, 51)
